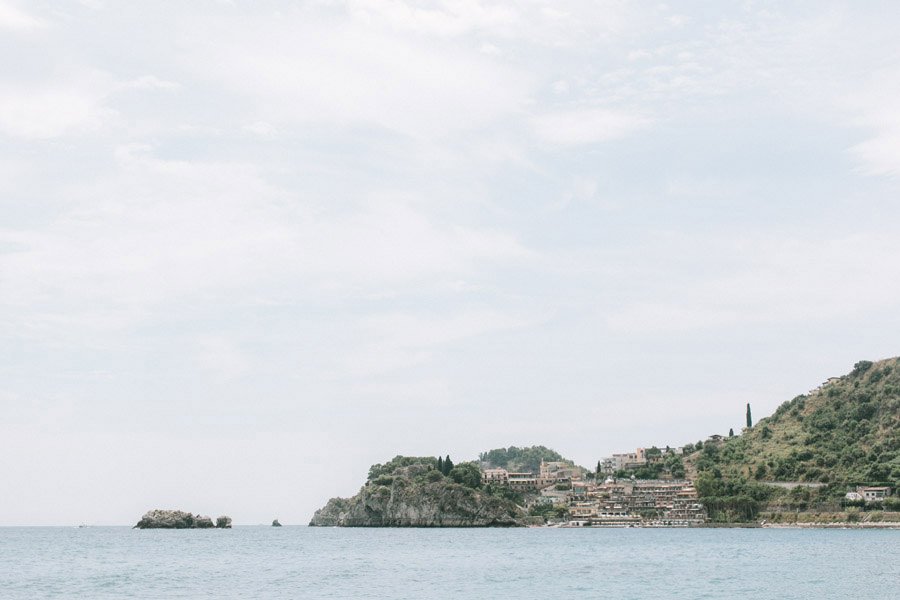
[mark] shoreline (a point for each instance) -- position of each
(836, 525)
(813, 525)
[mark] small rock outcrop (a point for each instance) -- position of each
(202, 522)
(223, 522)
(176, 519)
(418, 496)
(275, 523)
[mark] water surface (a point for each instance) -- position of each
(301, 562)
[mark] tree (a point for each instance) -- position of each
(749, 418)
(731, 432)
(440, 466)
(397, 462)
(861, 367)
(562, 512)
(467, 474)
(520, 459)
(448, 465)
(599, 469)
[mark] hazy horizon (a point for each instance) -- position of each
(249, 249)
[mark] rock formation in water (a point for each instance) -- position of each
(418, 496)
(223, 522)
(275, 523)
(177, 519)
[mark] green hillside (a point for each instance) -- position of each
(845, 433)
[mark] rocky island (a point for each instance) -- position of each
(179, 519)
(416, 492)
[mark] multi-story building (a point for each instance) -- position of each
(495, 476)
(522, 481)
(629, 460)
(557, 472)
(636, 502)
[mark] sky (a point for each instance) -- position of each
(248, 249)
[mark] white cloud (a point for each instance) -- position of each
(879, 155)
(412, 331)
(151, 82)
(163, 231)
(15, 19)
(563, 23)
(42, 113)
(347, 74)
(768, 281)
(261, 129)
(221, 356)
(441, 18)
(399, 341)
(874, 107)
(386, 242)
(588, 126)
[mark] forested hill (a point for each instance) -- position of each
(527, 459)
(845, 432)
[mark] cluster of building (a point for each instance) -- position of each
(659, 503)
(610, 503)
(550, 474)
(637, 459)
(624, 461)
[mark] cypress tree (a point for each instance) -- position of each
(448, 465)
(749, 418)
(731, 433)
(440, 466)
(599, 470)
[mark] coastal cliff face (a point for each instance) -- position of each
(414, 497)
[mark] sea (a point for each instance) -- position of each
(303, 562)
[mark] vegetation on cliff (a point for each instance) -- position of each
(412, 492)
(844, 433)
(527, 459)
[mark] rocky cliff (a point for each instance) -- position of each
(418, 496)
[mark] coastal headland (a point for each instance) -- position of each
(827, 458)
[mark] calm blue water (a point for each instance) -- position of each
(300, 562)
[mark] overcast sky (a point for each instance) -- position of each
(249, 248)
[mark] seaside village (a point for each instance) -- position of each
(608, 502)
